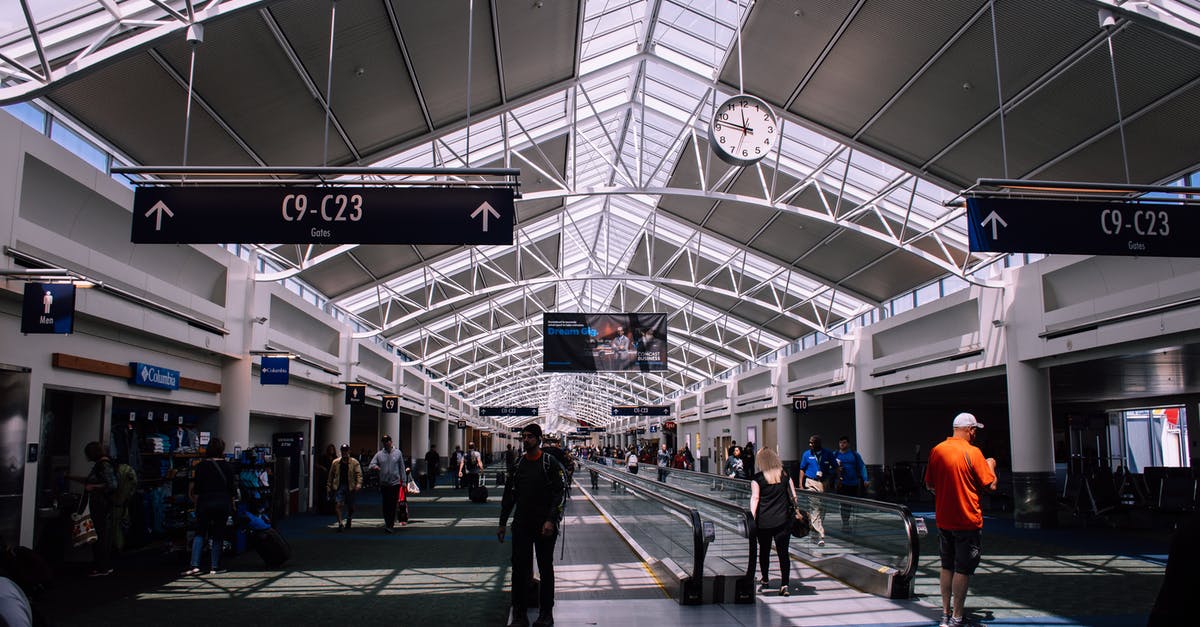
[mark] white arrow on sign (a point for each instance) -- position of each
(485, 209)
(159, 209)
(992, 218)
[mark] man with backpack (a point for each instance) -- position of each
(536, 488)
(470, 467)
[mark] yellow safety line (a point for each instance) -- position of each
(645, 565)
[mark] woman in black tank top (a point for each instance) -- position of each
(771, 494)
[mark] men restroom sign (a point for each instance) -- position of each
(48, 308)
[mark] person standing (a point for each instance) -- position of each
(664, 462)
(389, 461)
(212, 492)
(432, 462)
(852, 476)
(345, 480)
(536, 488)
(631, 462)
(956, 473)
(99, 486)
(771, 496)
(734, 466)
(817, 467)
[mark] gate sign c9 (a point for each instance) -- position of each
(322, 215)
(1024, 225)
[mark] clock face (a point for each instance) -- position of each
(743, 130)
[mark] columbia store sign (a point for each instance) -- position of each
(149, 376)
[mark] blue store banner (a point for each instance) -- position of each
(274, 371)
(149, 376)
(48, 308)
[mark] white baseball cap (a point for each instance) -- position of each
(965, 420)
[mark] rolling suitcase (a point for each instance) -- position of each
(478, 494)
(500, 478)
(272, 547)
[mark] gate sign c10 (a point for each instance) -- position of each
(297, 214)
(800, 403)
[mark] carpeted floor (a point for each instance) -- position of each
(445, 567)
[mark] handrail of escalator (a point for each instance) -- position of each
(827, 500)
(698, 544)
(746, 518)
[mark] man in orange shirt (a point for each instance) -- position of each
(957, 472)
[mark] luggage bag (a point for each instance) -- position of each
(478, 494)
(271, 546)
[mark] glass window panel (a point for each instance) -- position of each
(928, 293)
(81, 147)
(952, 284)
(902, 304)
(29, 114)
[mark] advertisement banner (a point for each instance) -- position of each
(619, 342)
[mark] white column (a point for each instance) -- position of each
(1032, 436)
(442, 437)
(868, 435)
(785, 433)
(233, 420)
(420, 434)
(868, 426)
(339, 426)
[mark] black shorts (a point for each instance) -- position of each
(960, 550)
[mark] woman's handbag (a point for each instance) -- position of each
(800, 520)
(83, 530)
(411, 486)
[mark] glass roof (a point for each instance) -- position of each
(633, 118)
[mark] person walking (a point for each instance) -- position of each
(389, 461)
(212, 492)
(456, 464)
(536, 488)
(432, 462)
(471, 467)
(956, 474)
(817, 468)
(851, 477)
(771, 496)
(631, 462)
(345, 480)
(99, 487)
(664, 462)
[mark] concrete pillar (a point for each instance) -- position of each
(390, 424)
(233, 419)
(868, 434)
(339, 425)
(442, 438)
(785, 434)
(420, 435)
(1032, 433)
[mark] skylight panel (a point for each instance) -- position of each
(608, 58)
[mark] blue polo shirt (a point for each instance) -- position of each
(853, 468)
(823, 460)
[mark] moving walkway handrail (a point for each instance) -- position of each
(742, 486)
(698, 544)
